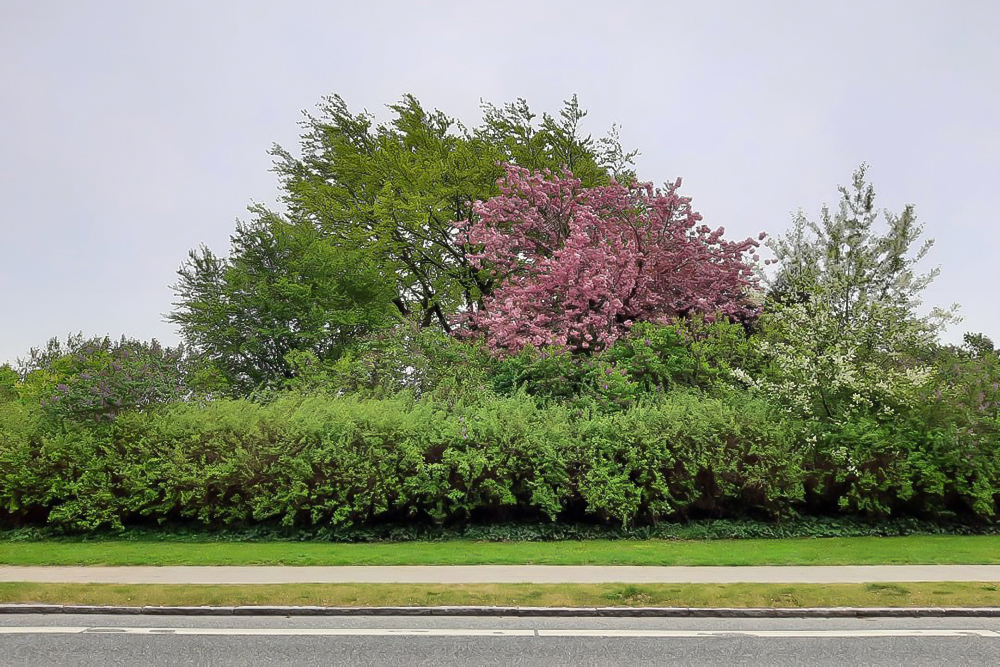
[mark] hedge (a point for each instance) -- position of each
(311, 461)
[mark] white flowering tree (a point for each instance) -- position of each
(845, 262)
(840, 335)
(823, 370)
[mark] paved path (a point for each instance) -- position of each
(479, 574)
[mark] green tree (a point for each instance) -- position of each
(9, 381)
(840, 335)
(283, 288)
(845, 262)
(821, 369)
(394, 190)
(978, 345)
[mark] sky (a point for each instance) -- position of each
(131, 132)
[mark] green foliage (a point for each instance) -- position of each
(403, 358)
(9, 381)
(690, 455)
(519, 531)
(654, 357)
(554, 143)
(941, 445)
(557, 376)
(284, 288)
(839, 337)
(650, 360)
(718, 347)
(878, 469)
(966, 390)
(393, 191)
(979, 345)
(845, 262)
(45, 367)
(820, 369)
(20, 440)
(324, 460)
(641, 366)
(95, 379)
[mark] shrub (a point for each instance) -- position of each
(96, 379)
(324, 462)
(405, 357)
(689, 456)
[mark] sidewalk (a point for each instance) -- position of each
(481, 574)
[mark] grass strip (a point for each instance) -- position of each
(965, 594)
(913, 549)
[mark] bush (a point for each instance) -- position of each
(333, 463)
(651, 360)
(401, 358)
(557, 377)
(688, 456)
(336, 461)
(95, 379)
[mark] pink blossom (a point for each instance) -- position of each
(577, 266)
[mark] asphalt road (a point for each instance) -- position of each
(64, 639)
(474, 574)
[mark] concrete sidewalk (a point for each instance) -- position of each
(482, 574)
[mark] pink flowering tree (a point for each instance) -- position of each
(575, 267)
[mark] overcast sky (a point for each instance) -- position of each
(131, 132)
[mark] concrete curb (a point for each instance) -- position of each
(565, 612)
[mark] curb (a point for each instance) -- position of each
(563, 612)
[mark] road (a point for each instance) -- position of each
(65, 639)
(477, 574)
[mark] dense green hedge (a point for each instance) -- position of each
(340, 462)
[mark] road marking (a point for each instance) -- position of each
(497, 632)
(819, 634)
(42, 630)
(291, 632)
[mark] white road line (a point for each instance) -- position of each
(487, 632)
(769, 633)
(291, 632)
(42, 630)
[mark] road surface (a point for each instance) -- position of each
(65, 639)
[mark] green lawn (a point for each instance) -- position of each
(922, 549)
(957, 594)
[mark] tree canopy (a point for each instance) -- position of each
(844, 260)
(577, 266)
(393, 190)
(368, 229)
(283, 288)
(840, 332)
